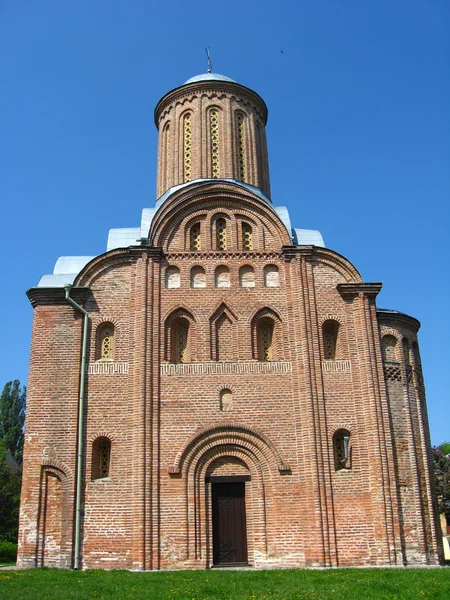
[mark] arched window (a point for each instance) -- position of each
(247, 239)
(265, 339)
(101, 458)
(172, 278)
(241, 144)
(180, 341)
(105, 342)
(271, 276)
(194, 238)
(266, 335)
(246, 277)
(166, 155)
(221, 234)
(214, 136)
(416, 355)
(341, 450)
(222, 277)
(330, 331)
(187, 147)
(198, 277)
(406, 352)
(388, 348)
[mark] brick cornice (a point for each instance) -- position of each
(400, 319)
(211, 87)
(355, 289)
(39, 296)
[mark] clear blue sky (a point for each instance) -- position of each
(358, 94)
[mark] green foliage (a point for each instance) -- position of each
(288, 584)
(12, 418)
(441, 458)
(8, 552)
(10, 484)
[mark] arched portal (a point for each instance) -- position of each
(229, 473)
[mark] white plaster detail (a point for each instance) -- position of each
(336, 365)
(271, 276)
(236, 368)
(108, 368)
(172, 278)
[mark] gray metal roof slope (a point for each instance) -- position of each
(209, 77)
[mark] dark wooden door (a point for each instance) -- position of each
(229, 525)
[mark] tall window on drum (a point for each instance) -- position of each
(214, 135)
(265, 336)
(194, 235)
(241, 144)
(221, 234)
(247, 240)
(187, 147)
(107, 342)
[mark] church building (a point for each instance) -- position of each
(219, 388)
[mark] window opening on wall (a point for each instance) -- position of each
(195, 245)
(388, 348)
(341, 446)
(181, 341)
(241, 145)
(106, 342)
(166, 154)
(247, 240)
(221, 234)
(101, 457)
(330, 334)
(265, 335)
(214, 134)
(187, 147)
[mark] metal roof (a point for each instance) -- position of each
(209, 77)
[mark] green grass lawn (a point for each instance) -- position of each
(345, 584)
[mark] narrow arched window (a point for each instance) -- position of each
(247, 238)
(221, 234)
(388, 348)
(180, 341)
(187, 147)
(101, 458)
(416, 355)
(406, 352)
(264, 339)
(330, 331)
(241, 144)
(172, 278)
(246, 277)
(341, 450)
(194, 238)
(166, 155)
(105, 341)
(198, 277)
(214, 137)
(271, 276)
(222, 277)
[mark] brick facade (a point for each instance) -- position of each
(221, 368)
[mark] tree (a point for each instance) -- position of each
(441, 458)
(12, 418)
(10, 484)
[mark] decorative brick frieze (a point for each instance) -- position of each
(108, 368)
(338, 366)
(225, 368)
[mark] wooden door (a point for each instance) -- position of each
(229, 524)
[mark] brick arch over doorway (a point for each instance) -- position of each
(229, 454)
